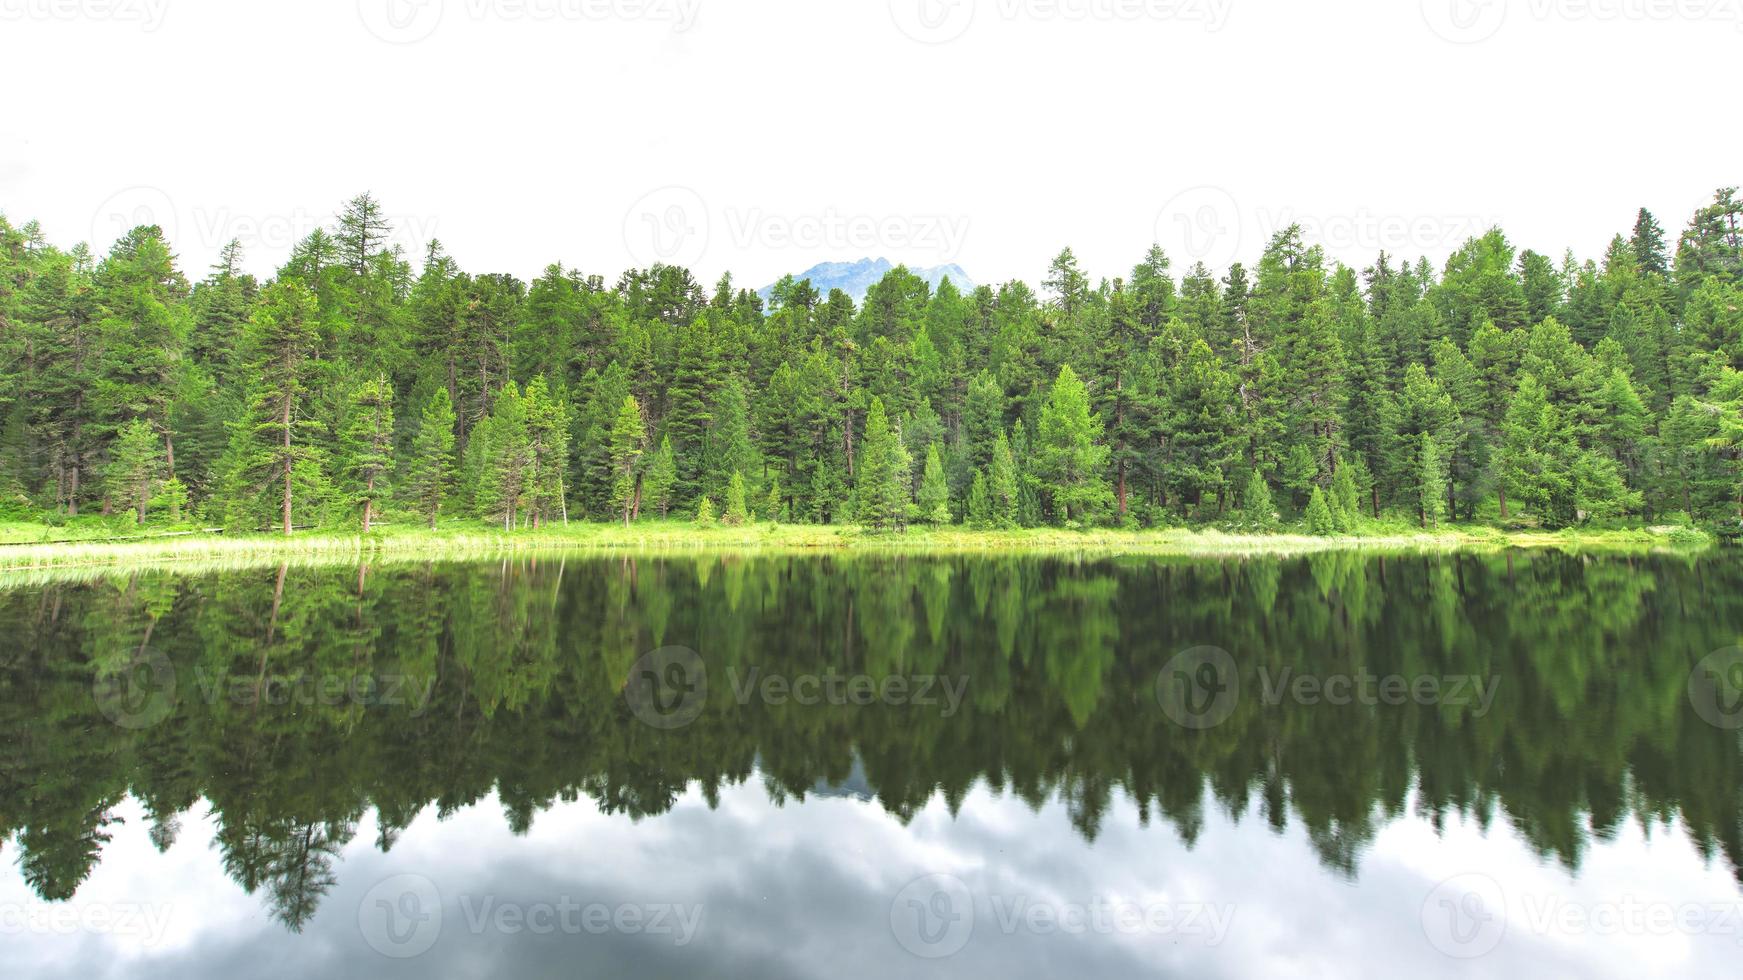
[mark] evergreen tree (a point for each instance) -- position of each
(627, 437)
(657, 482)
(882, 502)
(1002, 485)
(1258, 511)
(736, 513)
(1319, 517)
(136, 465)
(283, 337)
(980, 503)
(934, 499)
(1431, 484)
(431, 470)
(1068, 460)
(368, 445)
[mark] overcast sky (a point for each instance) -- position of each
(762, 136)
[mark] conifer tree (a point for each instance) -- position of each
(1432, 483)
(934, 497)
(1069, 462)
(431, 470)
(657, 482)
(627, 437)
(1258, 511)
(736, 513)
(367, 445)
(135, 466)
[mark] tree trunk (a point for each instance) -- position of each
(1504, 514)
(169, 452)
(285, 420)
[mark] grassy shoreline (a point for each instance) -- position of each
(478, 541)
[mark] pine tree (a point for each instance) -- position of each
(547, 432)
(1069, 462)
(980, 503)
(283, 336)
(934, 498)
(431, 471)
(736, 513)
(1345, 501)
(627, 437)
(1258, 511)
(705, 511)
(1432, 483)
(1320, 521)
(135, 466)
(1002, 485)
(879, 479)
(657, 482)
(367, 445)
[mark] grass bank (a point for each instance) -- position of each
(479, 541)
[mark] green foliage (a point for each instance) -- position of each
(705, 511)
(136, 466)
(934, 497)
(1319, 518)
(736, 513)
(1258, 510)
(1555, 392)
(430, 474)
(1432, 483)
(1069, 463)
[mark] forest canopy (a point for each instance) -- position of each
(353, 386)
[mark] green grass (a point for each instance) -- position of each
(477, 540)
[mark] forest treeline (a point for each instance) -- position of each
(1507, 386)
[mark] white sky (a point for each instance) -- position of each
(762, 137)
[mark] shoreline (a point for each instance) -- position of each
(476, 541)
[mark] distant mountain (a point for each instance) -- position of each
(857, 278)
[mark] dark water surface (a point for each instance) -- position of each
(1332, 766)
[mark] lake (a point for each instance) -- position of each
(1339, 765)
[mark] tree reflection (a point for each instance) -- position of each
(305, 698)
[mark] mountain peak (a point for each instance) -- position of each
(858, 277)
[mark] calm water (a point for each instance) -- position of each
(1333, 766)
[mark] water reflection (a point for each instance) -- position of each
(304, 706)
